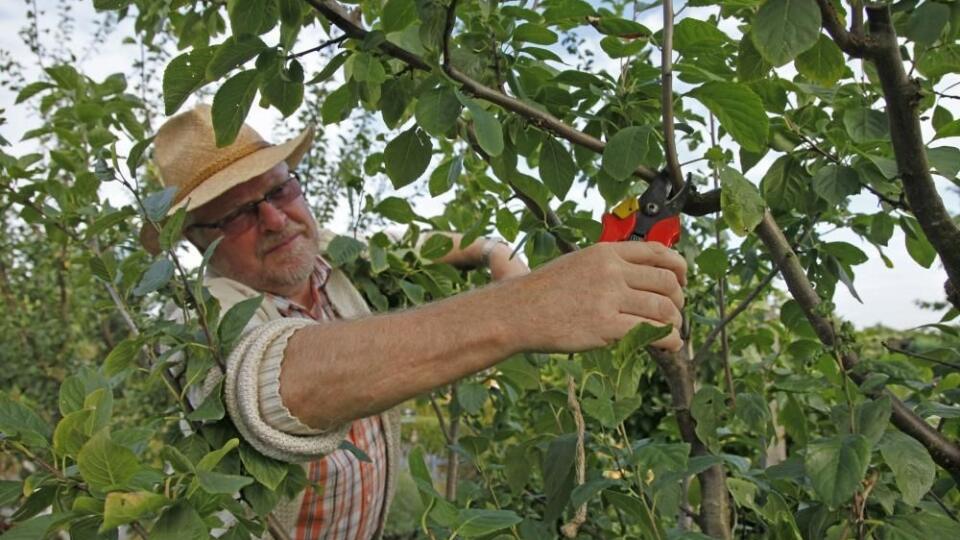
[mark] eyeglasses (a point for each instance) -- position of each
(247, 215)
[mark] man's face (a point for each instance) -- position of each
(276, 254)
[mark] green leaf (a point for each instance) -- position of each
(231, 104)
(104, 463)
(285, 91)
(713, 262)
(158, 203)
(872, 418)
(413, 292)
(927, 22)
(865, 125)
(836, 466)
(33, 528)
(823, 63)
(471, 396)
(236, 319)
(557, 168)
(18, 421)
(407, 156)
(10, 492)
(332, 66)
(183, 76)
(738, 109)
(122, 508)
(121, 357)
(834, 183)
(534, 33)
(213, 457)
(437, 110)
(624, 151)
(365, 67)
(157, 275)
(445, 175)
(343, 250)
(396, 209)
(782, 29)
(476, 522)
(211, 409)
(70, 434)
(232, 53)
(179, 522)
(913, 469)
(338, 104)
(740, 202)
(436, 246)
(507, 224)
(246, 16)
(265, 470)
(489, 132)
(708, 407)
(750, 65)
(31, 90)
(398, 14)
(216, 483)
(784, 184)
(75, 388)
(945, 159)
(662, 457)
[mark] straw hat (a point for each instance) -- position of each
(187, 157)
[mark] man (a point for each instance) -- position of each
(314, 368)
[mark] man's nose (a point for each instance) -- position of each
(271, 217)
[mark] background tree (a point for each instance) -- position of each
(777, 420)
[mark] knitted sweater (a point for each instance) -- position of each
(251, 386)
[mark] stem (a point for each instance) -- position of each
(721, 289)
(944, 452)
(705, 346)
(666, 97)
(902, 95)
(318, 48)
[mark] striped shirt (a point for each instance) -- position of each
(346, 496)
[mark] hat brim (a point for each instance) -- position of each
(246, 168)
(232, 175)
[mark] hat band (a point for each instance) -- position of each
(218, 165)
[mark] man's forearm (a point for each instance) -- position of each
(337, 372)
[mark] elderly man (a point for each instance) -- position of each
(314, 368)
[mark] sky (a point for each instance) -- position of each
(889, 294)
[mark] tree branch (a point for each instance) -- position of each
(666, 98)
(902, 96)
(714, 516)
(696, 205)
(943, 451)
(320, 47)
(741, 307)
(855, 45)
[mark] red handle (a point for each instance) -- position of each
(666, 231)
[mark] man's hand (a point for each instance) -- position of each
(593, 297)
(505, 265)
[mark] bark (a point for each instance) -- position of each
(944, 452)
(714, 516)
(902, 96)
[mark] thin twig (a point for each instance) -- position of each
(919, 356)
(320, 47)
(707, 341)
(443, 423)
(666, 97)
(721, 287)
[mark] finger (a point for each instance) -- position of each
(651, 306)
(672, 343)
(653, 254)
(654, 279)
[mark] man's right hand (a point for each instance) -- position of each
(593, 297)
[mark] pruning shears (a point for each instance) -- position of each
(652, 217)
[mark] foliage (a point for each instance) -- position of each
(800, 436)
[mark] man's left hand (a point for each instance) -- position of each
(505, 265)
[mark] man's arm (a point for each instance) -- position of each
(334, 373)
(502, 263)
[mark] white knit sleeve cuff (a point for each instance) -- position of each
(274, 412)
(242, 397)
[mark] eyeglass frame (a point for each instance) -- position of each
(253, 206)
